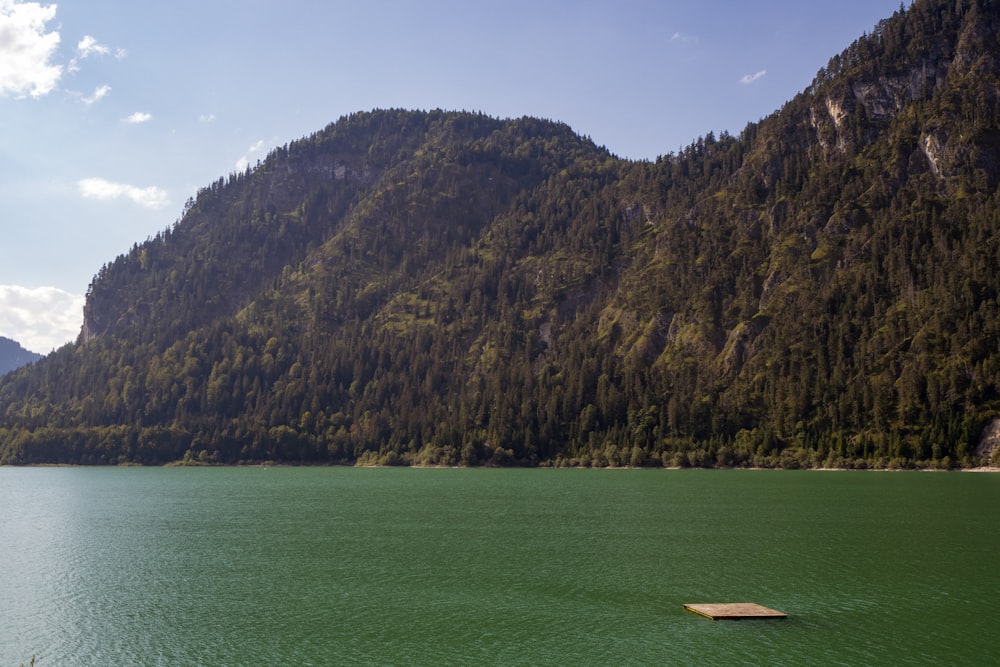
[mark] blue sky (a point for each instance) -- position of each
(113, 113)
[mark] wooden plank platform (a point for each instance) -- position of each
(734, 611)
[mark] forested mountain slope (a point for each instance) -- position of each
(12, 355)
(444, 288)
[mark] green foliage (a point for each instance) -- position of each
(409, 288)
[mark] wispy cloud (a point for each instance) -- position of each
(137, 118)
(206, 118)
(98, 188)
(26, 49)
(682, 38)
(751, 78)
(42, 318)
(99, 93)
(89, 46)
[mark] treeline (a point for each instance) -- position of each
(412, 288)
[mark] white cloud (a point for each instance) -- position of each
(138, 117)
(104, 190)
(244, 161)
(26, 50)
(681, 38)
(89, 46)
(750, 78)
(206, 118)
(40, 319)
(99, 93)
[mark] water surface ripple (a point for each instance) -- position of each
(320, 566)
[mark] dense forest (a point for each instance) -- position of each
(447, 288)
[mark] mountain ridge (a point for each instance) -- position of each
(13, 355)
(445, 287)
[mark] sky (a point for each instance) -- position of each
(113, 114)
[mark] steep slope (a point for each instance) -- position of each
(849, 259)
(441, 288)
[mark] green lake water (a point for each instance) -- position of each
(344, 566)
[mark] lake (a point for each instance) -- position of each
(354, 566)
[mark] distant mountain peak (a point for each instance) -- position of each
(13, 355)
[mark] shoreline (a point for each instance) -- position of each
(284, 464)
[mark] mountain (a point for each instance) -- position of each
(12, 355)
(448, 288)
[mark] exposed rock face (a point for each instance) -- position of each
(86, 331)
(738, 344)
(881, 99)
(990, 441)
(836, 111)
(944, 156)
(886, 97)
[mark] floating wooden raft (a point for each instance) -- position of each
(734, 611)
